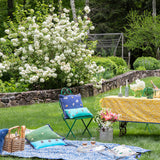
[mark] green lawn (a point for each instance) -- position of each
(37, 115)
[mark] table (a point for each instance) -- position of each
(133, 109)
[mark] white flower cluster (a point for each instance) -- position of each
(56, 47)
(87, 9)
(4, 65)
(140, 85)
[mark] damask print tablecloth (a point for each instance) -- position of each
(134, 109)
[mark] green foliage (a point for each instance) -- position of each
(141, 68)
(118, 61)
(121, 70)
(30, 4)
(105, 53)
(12, 86)
(121, 64)
(109, 65)
(110, 16)
(3, 16)
(143, 33)
(149, 63)
(105, 62)
(113, 66)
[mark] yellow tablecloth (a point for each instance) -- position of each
(134, 109)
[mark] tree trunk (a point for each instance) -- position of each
(10, 8)
(72, 3)
(154, 7)
(60, 6)
(154, 14)
(157, 54)
(87, 2)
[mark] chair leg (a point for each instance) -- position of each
(86, 127)
(122, 128)
(147, 126)
(70, 128)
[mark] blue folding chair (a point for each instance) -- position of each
(73, 110)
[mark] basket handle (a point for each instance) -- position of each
(9, 132)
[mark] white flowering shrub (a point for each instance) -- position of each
(50, 51)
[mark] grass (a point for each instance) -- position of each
(37, 115)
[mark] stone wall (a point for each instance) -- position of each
(46, 96)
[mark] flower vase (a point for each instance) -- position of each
(106, 134)
(138, 93)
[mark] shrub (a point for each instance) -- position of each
(141, 68)
(110, 66)
(149, 63)
(118, 61)
(105, 62)
(48, 51)
(121, 70)
(12, 86)
(121, 64)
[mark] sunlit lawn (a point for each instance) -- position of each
(37, 115)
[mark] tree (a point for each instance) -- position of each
(154, 7)
(72, 3)
(87, 3)
(110, 16)
(143, 33)
(10, 8)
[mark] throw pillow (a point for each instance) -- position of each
(70, 102)
(122, 151)
(78, 112)
(42, 133)
(3, 133)
(47, 143)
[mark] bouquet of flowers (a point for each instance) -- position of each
(138, 88)
(105, 118)
(140, 85)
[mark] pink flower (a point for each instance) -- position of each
(106, 115)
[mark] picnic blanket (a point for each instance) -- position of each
(69, 152)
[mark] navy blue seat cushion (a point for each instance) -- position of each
(3, 133)
(70, 102)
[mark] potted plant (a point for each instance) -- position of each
(105, 119)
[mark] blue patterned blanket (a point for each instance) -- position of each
(70, 152)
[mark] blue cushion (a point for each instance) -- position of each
(47, 143)
(3, 133)
(78, 112)
(70, 102)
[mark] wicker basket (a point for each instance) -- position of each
(13, 142)
(156, 93)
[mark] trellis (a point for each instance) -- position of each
(108, 42)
